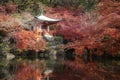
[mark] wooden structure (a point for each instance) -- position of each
(45, 22)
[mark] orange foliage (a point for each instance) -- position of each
(87, 30)
(11, 8)
(109, 6)
(29, 40)
(8, 24)
(8, 8)
(104, 35)
(109, 34)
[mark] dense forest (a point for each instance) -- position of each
(83, 45)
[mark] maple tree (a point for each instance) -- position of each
(29, 40)
(93, 33)
(83, 29)
(109, 6)
(8, 8)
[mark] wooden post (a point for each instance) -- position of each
(39, 29)
(48, 29)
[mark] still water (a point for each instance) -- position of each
(24, 68)
(29, 68)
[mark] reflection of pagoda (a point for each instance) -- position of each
(45, 22)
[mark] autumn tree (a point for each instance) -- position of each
(29, 40)
(93, 30)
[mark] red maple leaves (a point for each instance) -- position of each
(91, 30)
(29, 40)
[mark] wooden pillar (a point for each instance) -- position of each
(48, 29)
(39, 29)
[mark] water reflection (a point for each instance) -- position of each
(42, 69)
(27, 69)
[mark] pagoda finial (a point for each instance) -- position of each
(41, 9)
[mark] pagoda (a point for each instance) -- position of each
(45, 22)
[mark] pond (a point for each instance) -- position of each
(55, 68)
(26, 68)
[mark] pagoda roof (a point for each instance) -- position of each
(47, 19)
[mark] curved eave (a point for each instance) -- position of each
(47, 19)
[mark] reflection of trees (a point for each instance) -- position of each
(28, 71)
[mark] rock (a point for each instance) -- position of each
(53, 47)
(48, 71)
(48, 37)
(53, 54)
(43, 54)
(9, 56)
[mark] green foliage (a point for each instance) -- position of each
(28, 5)
(4, 46)
(52, 27)
(88, 4)
(106, 38)
(33, 6)
(58, 39)
(25, 5)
